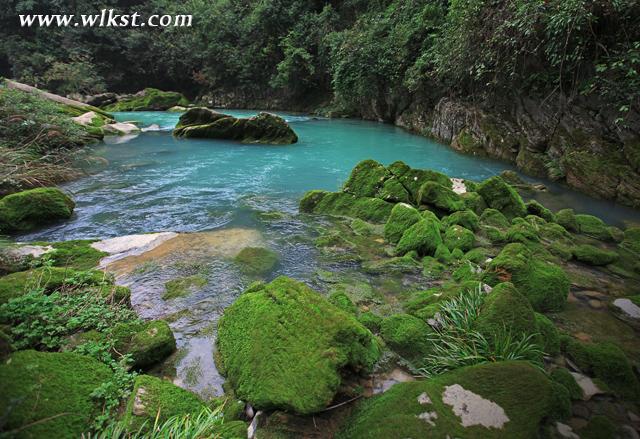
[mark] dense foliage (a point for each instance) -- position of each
(359, 52)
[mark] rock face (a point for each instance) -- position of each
(283, 346)
(120, 129)
(28, 210)
(264, 128)
(149, 99)
(471, 402)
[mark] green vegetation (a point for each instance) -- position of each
(422, 237)
(149, 99)
(407, 335)
(257, 261)
(183, 286)
(402, 217)
(459, 237)
(563, 377)
(592, 255)
(27, 210)
(502, 197)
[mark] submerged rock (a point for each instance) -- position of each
(120, 129)
(263, 128)
(283, 346)
(28, 210)
(257, 261)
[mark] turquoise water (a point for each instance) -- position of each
(155, 182)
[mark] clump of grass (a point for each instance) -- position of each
(456, 344)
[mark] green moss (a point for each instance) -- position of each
(592, 255)
(598, 427)
(431, 268)
(567, 219)
(441, 197)
(153, 398)
(372, 210)
(423, 237)
(464, 218)
(370, 321)
(413, 179)
(535, 208)
(505, 308)
(257, 261)
(443, 254)
(393, 191)
(362, 228)
(366, 179)
(77, 254)
(563, 377)
(594, 227)
(500, 196)
(401, 264)
(631, 240)
(494, 218)
(477, 255)
(151, 99)
(28, 210)
(522, 231)
(282, 345)
(402, 217)
(524, 393)
(342, 301)
(183, 286)
(148, 342)
(310, 200)
(548, 335)
(607, 362)
(465, 272)
(407, 335)
(473, 201)
(48, 279)
(50, 394)
(459, 237)
(424, 304)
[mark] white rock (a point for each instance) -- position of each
(423, 398)
(473, 409)
(120, 129)
(29, 250)
(588, 387)
(629, 308)
(85, 119)
(428, 417)
(251, 431)
(130, 245)
(458, 186)
(566, 431)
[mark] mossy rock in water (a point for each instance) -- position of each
(441, 197)
(548, 335)
(208, 124)
(464, 218)
(282, 345)
(593, 255)
(183, 286)
(544, 284)
(563, 377)
(47, 395)
(148, 343)
(594, 227)
(567, 219)
(310, 200)
(149, 99)
(407, 335)
(459, 237)
(394, 192)
(607, 362)
(401, 218)
(372, 210)
(366, 179)
(48, 279)
(500, 196)
(422, 237)
(28, 210)
(494, 400)
(535, 208)
(413, 179)
(494, 218)
(257, 261)
(153, 398)
(505, 309)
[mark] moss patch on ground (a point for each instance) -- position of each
(183, 286)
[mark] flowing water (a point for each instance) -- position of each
(232, 196)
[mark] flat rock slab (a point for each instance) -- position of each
(473, 409)
(588, 387)
(628, 308)
(130, 245)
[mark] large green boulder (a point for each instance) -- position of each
(208, 124)
(459, 237)
(149, 99)
(505, 309)
(28, 210)
(544, 284)
(373, 210)
(567, 219)
(50, 395)
(537, 209)
(402, 217)
(594, 227)
(366, 179)
(441, 197)
(500, 196)
(592, 255)
(153, 398)
(495, 400)
(422, 237)
(283, 346)
(631, 240)
(407, 335)
(494, 218)
(148, 343)
(413, 179)
(465, 218)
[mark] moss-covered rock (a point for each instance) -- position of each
(443, 254)
(495, 400)
(544, 284)
(422, 237)
(522, 231)
(424, 304)
(370, 321)
(407, 335)
(310, 200)
(548, 335)
(149, 99)
(413, 179)
(257, 261)
(474, 202)
(28, 210)
(459, 237)
(148, 343)
(563, 377)
(494, 218)
(607, 362)
(567, 219)
(153, 398)
(500, 196)
(282, 345)
(366, 179)
(593, 255)
(598, 427)
(342, 301)
(505, 308)
(402, 217)
(535, 208)
(465, 218)
(47, 395)
(594, 227)
(75, 254)
(394, 192)
(441, 197)
(262, 128)
(631, 240)
(372, 210)
(183, 286)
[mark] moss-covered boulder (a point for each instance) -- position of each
(413, 179)
(153, 398)
(631, 240)
(402, 217)
(459, 237)
(407, 335)
(548, 335)
(563, 377)
(594, 227)
(282, 345)
(506, 309)
(257, 261)
(495, 400)
(500, 196)
(208, 124)
(592, 255)
(422, 237)
(537, 209)
(494, 218)
(148, 343)
(342, 301)
(440, 197)
(465, 218)
(149, 99)
(49, 395)
(373, 210)
(567, 219)
(522, 231)
(544, 284)
(28, 210)
(366, 179)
